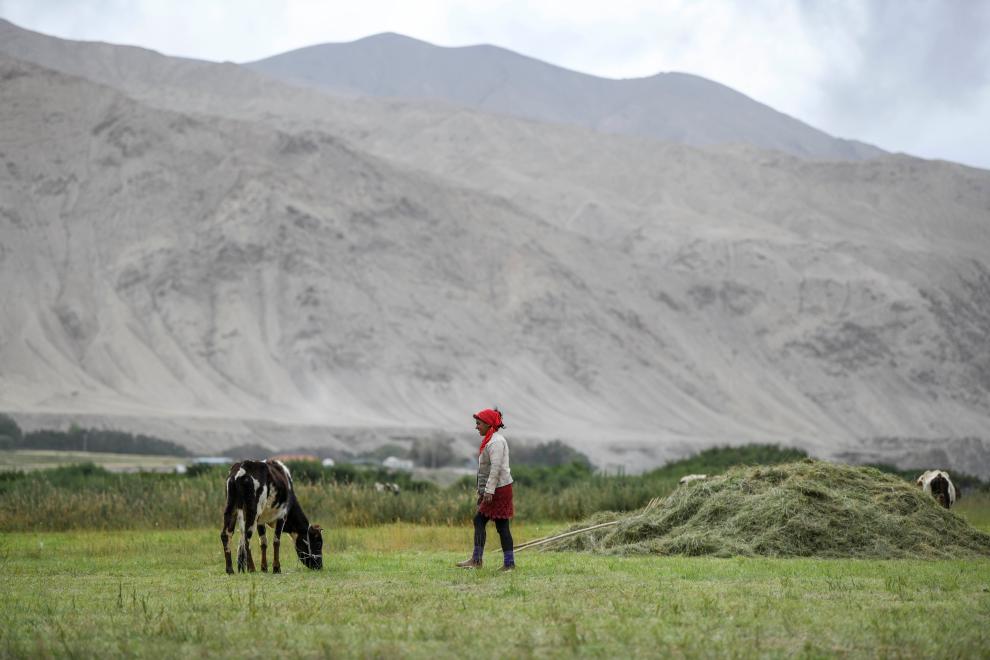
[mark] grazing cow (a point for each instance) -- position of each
(387, 487)
(938, 484)
(686, 479)
(260, 493)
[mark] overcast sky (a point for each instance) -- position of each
(905, 75)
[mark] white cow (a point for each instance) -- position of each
(686, 479)
(938, 484)
(389, 487)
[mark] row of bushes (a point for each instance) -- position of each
(88, 497)
(80, 439)
(91, 498)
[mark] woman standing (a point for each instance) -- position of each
(494, 489)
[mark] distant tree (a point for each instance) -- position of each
(100, 440)
(547, 454)
(10, 432)
(433, 452)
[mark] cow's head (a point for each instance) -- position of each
(309, 547)
(940, 490)
(937, 484)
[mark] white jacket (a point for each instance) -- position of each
(493, 465)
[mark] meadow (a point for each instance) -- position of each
(129, 565)
(392, 590)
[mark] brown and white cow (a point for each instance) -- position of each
(260, 493)
(938, 484)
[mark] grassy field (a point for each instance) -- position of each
(392, 591)
(129, 565)
(43, 459)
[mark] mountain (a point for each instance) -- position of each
(676, 107)
(197, 250)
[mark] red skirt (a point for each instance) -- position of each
(500, 506)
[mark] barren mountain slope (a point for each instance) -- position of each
(642, 298)
(161, 264)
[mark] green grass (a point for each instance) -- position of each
(975, 508)
(392, 591)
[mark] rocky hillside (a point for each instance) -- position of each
(190, 248)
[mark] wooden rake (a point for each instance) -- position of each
(652, 504)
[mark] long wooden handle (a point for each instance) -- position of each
(533, 544)
(652, 504)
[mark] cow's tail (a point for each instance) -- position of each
(232, 509)
(241, 541)
(241, 556)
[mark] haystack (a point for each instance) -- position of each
(804, 509)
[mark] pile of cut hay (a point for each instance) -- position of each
(804, 509)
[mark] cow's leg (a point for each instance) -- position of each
(279, 524)
(249, 515)
(264, 548)
(248, 518)
(225, 534)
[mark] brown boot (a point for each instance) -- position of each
(469, 563)
(510, 567)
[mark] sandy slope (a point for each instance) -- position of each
(225, 269)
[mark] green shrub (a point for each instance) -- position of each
(719, 459)
(309, 472)
(554, 478)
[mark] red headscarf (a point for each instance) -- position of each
(494, 420)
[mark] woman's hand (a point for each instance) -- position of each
(488, 498)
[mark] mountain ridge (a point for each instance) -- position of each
(333, 263)
(680, 107)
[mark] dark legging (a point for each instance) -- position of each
(501, 525)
